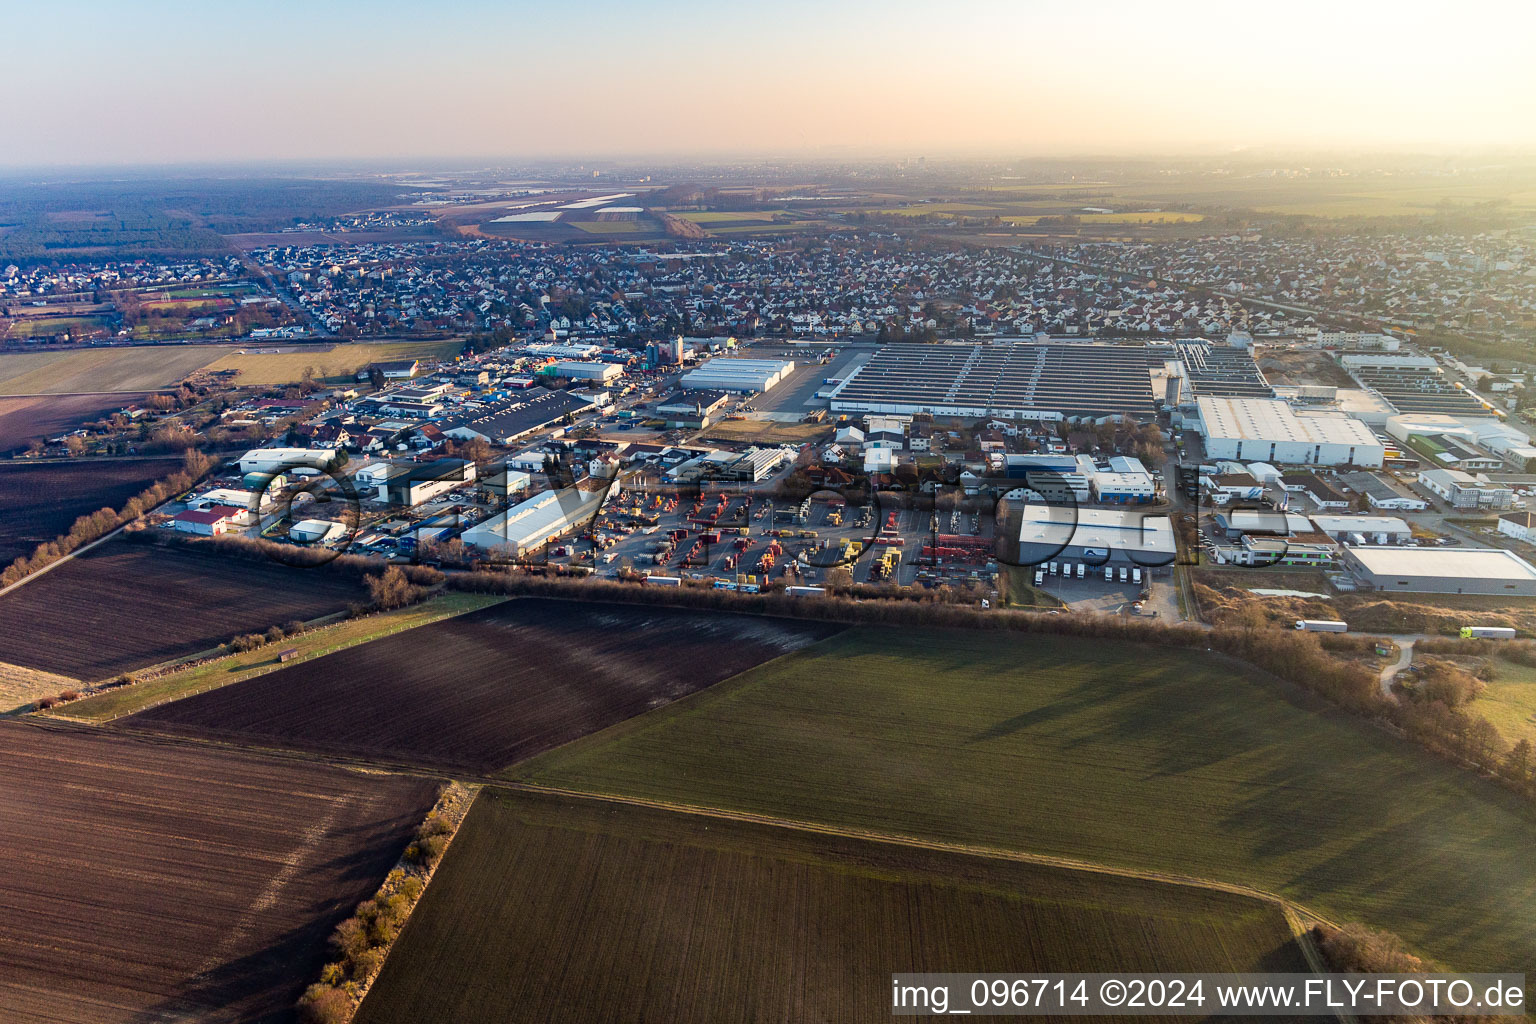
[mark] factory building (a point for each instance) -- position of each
(1095, 536)
(1029, 382)
(749, 466)
(546, 516)
(1413, 570)
(411, 484)
(1269, 430)
(1466, 490)
(737, 375)
(1364, 529)
(276, 460)
(693, 410)
(505, 422)
(1380, 494)
(603, 373)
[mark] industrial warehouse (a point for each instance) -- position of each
(1027, 381)
(1269, 430)
(533, 523)
(1438, 571)
(1095, 536)
(742, 375)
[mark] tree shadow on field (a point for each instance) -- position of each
(263, 985)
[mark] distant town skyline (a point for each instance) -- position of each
(172, 82)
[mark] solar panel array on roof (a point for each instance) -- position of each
(1223, 372)
(1415, 389)
(978, 380)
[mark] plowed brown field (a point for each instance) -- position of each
(157, 882)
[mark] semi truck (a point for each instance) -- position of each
(1487, 632)
(1322, 625)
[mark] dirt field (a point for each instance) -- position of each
(147, 881)
(677, 918)
(141, 368)
(22, 419)
(38, 502)
(124, 605)
(330, 362)
(488, 688)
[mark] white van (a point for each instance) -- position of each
(1125, 577)
(1136, 576)
(1109, 575)
(1082, 570)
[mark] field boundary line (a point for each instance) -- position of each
(259, 669)
(1288, 906)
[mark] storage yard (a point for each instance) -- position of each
(140, 605)
(488, 688)
(810, 924)
(147, 881)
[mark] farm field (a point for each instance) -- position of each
(329, 362)
(1132, 756)
(95, 370)
(45, 416)
(31, 327)
(40, 501)
(614, 227)
(126, 605)
(487, 688)
(678, 918)
(150, 881)
(125, 700)
(1509, 702)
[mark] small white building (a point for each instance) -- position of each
(212, 521)
(1364, 529)
(276, 460)
(1519, 525)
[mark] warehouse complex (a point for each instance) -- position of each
(1442, 571)
(1269, 430)
(739, 375)
(530, 525)
(1095, 536)
(1038, 382)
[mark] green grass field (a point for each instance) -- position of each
(549, 908)
(1509, 702)
(1132, 756)
(315, 644)
(32, 327)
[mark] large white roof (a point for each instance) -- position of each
(1110, 529)
(1466, 563)
(1269, 419)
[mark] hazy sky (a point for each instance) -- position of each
(157, 82)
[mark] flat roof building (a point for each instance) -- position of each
(740, 375)
(1029, 381)
(530, 525)
(1442, 570)
(1095, 536)
(1269, 430)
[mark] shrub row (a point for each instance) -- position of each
(103, 521)
(1297, 657)
(361, 942)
